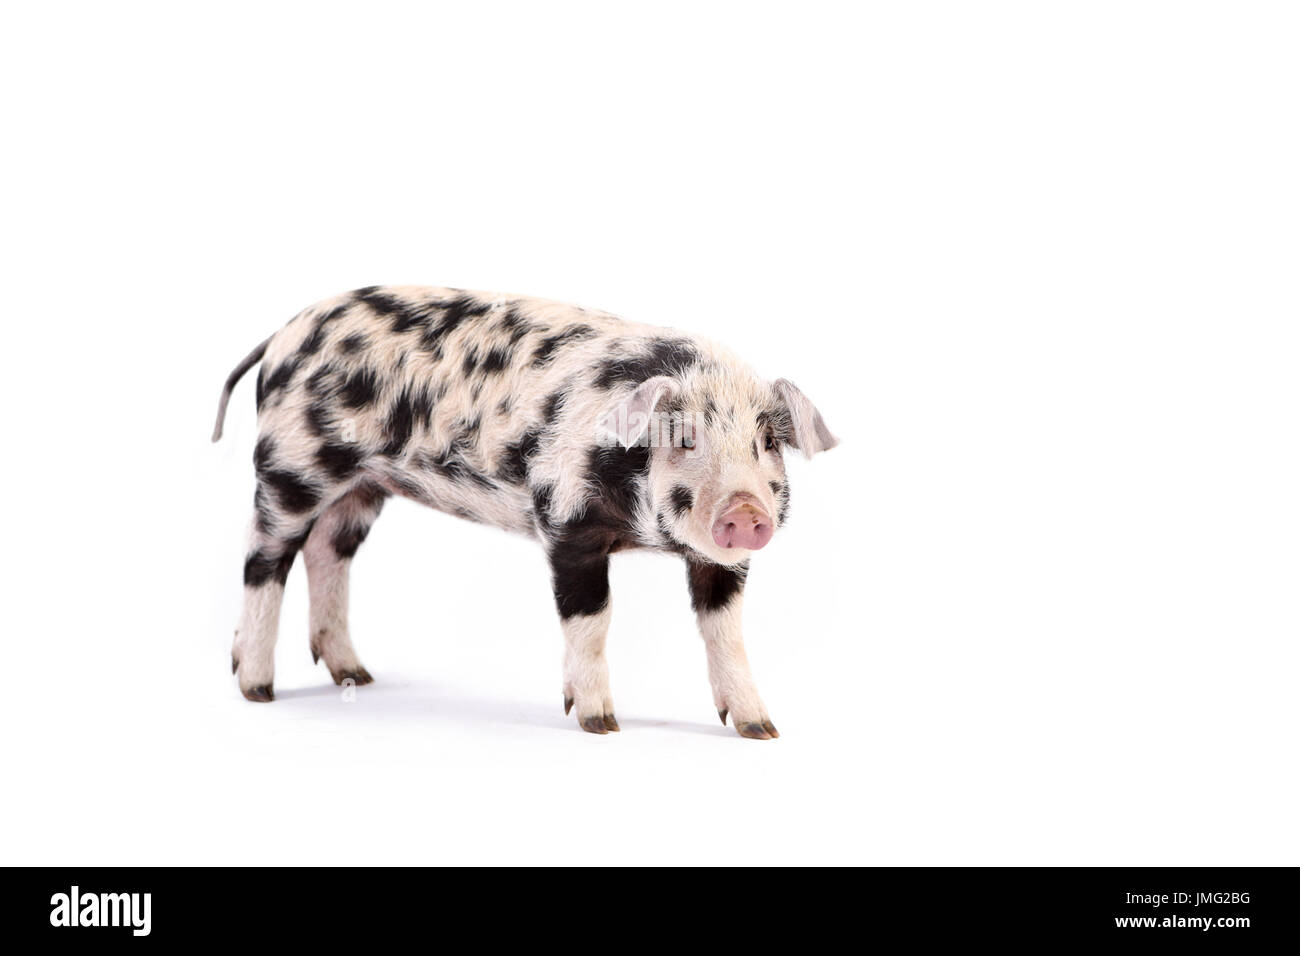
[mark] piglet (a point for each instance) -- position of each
(586, 432)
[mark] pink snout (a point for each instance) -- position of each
(743, 525)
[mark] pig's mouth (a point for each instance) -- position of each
(742, 523)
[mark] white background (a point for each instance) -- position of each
(1036, 263)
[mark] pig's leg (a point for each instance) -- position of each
(275, 543)
(716, 596)
(333, 541)
(580, 577)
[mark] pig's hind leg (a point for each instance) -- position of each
(276, 540)
(334, 539)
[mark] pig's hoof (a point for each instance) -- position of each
(262, 693)
(595, 710)
(358, 675)
(598, 723)
(757, 730)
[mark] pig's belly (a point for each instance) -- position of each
(498, 504)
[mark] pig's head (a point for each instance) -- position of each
(716, 437)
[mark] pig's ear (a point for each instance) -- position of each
(809, 433)
(628, 421)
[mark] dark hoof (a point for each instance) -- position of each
(358, 677)
(315, 656)
(757, 731)
(723, 715)
(595, 724)
(261, 693)
(611, 723)
(568, 705)
(234, 664)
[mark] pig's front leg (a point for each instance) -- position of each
(717, 594)
(581, 582)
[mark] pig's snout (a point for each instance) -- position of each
(743, 524)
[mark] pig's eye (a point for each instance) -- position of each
(769, 442)
(687, 441)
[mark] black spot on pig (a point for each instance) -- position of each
(292, 493)
(380, 302)
(579, 556)
(274, 561)
(259, 568)
(516, 326)
(339, 459)
(334, 313)
(312, 343)
(319, 419)
(353, 344)
(458, 310)
(262, 453)
(411, 409)
(580, 584)
(497, 360)
(552, 407)
(279, 378)
(546, 349)
(360, 388)
(401, 316)
(665, 357)
(454, 312)
(713, 586)
(616, 474)
(348, 538)
(322, 380)
(514, 458)
(453, 467)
